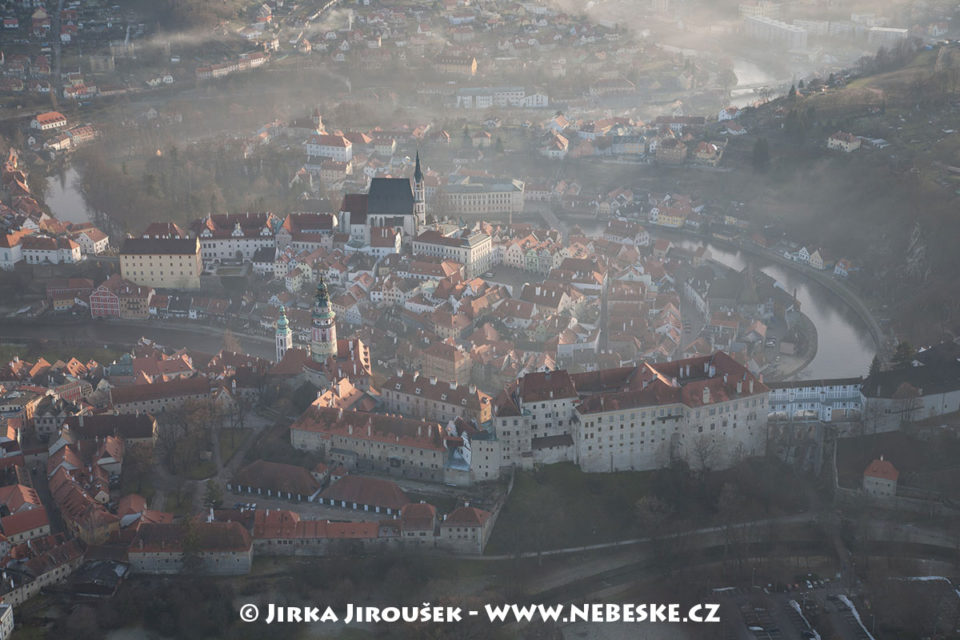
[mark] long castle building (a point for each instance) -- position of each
(709, 411)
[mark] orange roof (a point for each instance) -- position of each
(466, 516)
(882, 469)
(50, 116)
(24, 521)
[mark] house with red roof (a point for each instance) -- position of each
(27, 524)
(466, 530)
(48, 120)
(880, 479)
(333, 146)
(220, 548)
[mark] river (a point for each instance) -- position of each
(95, 333)
(64, 198)
(749, 76)
(844, 344)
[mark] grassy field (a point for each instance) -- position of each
(560, 506)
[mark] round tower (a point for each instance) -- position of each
(284, 335)
(323, 338)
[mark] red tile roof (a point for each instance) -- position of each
(363, 490)
(279, 477)
(24, 521)
(210, 537)
(418, 517)
(882, 469)
(466, 517)
(160, 390)
(368, 426)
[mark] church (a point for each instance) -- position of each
(396, 203)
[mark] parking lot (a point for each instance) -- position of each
(307, 510)
(789, 612)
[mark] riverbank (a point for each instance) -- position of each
(810, 341)
(837, 287)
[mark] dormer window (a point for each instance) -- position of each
(443, 397)
(398, 386)
(418, 391)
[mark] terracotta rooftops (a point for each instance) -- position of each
(882, 469)
(370, 426)
(210, 537)
(362, 490)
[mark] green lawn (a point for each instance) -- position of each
(560, 506)
(230, 441)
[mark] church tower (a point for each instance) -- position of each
(284, 335)
(323, 338)
(419, 195)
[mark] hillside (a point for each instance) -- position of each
(890, 207)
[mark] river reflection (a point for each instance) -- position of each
(64, 198)
(845, 346)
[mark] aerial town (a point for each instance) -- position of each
(499, 301)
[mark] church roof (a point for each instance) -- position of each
(390, 196)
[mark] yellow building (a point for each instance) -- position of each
(457, 65)
(162, 263)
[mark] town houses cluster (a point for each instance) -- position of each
(28, 234)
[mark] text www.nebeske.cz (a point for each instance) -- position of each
(597, 612)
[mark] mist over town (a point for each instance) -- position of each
(373, 308)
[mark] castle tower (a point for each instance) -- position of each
(284, 335)
(419, 195)
(323, 338)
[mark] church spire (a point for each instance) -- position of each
(419, 196)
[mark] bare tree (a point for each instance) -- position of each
(705, 452)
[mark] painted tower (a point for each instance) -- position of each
(284, 335)
(419, 195)
(323, 338)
